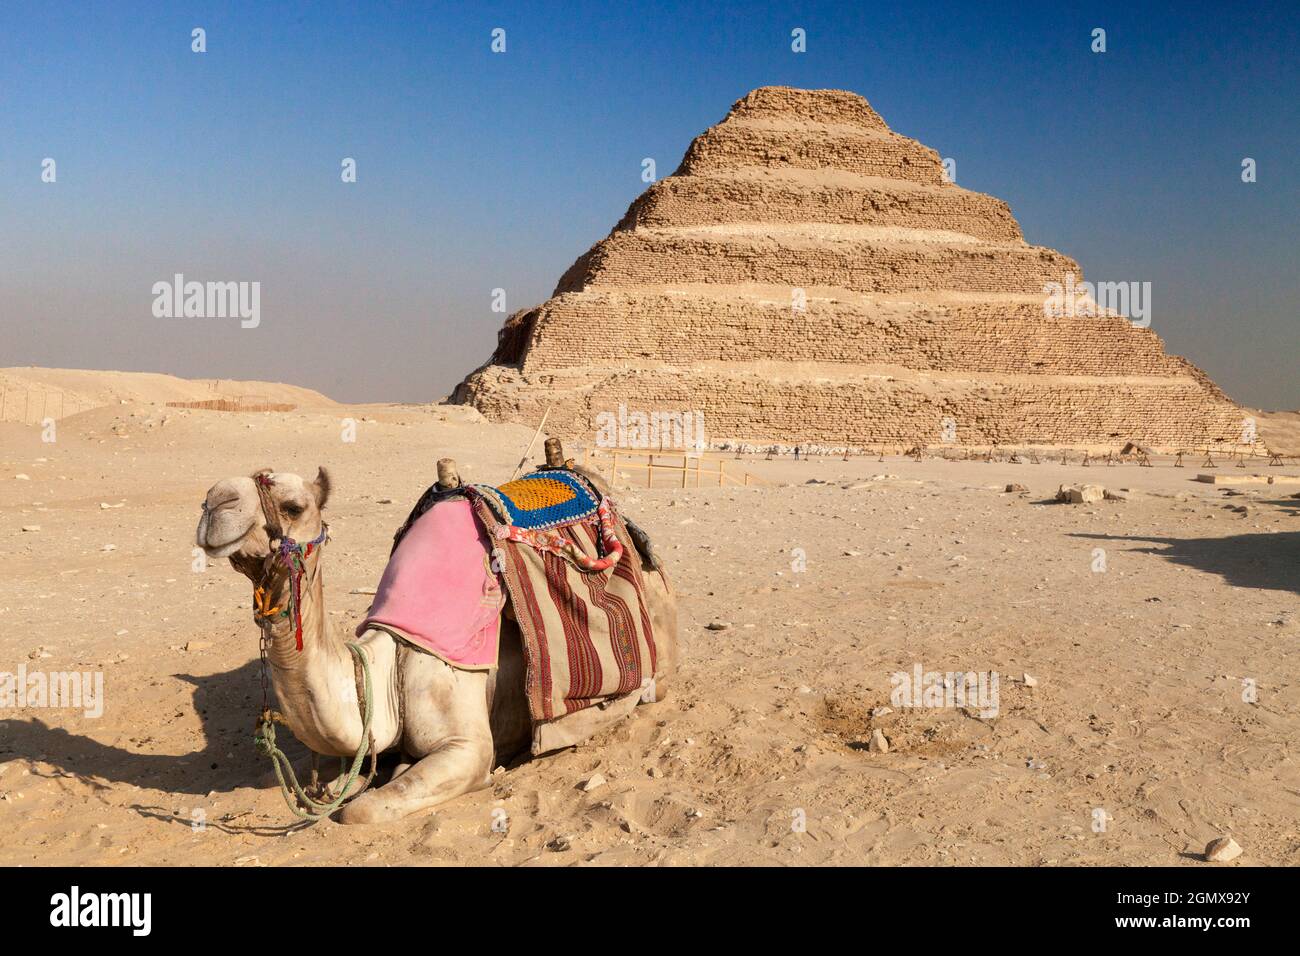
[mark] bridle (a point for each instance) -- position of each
(285, 553)
(316, 802)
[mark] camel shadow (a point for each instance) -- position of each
(1264, 561)
(227, 705)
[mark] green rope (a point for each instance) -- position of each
(305, 807)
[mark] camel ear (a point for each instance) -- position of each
(321, 487)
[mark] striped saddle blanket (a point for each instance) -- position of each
(572, 573)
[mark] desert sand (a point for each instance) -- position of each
(1134, 704)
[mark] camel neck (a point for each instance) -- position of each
(315, 688)
(317, 637)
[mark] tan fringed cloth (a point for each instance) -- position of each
(587, 634)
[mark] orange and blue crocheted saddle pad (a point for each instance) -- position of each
(543, 499)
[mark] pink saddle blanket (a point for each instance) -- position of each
(439, 590)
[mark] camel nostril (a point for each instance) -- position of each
(223, 503)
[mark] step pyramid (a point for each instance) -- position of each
(809, 276)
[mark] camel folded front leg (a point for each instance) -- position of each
(446, 727)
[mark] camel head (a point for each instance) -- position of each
(234, 524)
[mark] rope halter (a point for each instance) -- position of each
(288, 554)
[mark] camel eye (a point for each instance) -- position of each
(291, 510)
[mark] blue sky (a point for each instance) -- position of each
(479, 170)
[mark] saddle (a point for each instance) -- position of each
(558, 549)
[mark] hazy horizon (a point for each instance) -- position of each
(479, 171)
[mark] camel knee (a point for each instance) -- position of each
(455, 766)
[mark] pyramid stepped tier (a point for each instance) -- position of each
(797, 195)
(798, 402)
(989, 334)
(808, 275)
(857, 258)
(813, 146)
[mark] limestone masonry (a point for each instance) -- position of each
(809, 276)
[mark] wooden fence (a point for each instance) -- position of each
(240, 403)
(33, 405)
(688, 468)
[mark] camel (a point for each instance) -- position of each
(452, 726)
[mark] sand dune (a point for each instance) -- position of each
(31, 394)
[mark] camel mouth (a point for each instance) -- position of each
(204, 534)
(221, 550)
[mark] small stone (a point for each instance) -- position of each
(21, 478)
(559, 845)
(1030, 681)
(31, 527)
(1222, 850)
(1014, 486)
(881, 711)
(193, 646)
(109, 547)
(717, 625)
(878, 744)
(656, 772)
(1080, 494)
(594, 782)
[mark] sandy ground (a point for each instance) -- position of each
(1136, 715)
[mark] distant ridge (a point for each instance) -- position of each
(56, 392)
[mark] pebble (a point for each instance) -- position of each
(1030, 681)
(594, 782)
(193, 646)
(881, 711)
(1222, 850)
(878, 742)
(717, 625)
(31, 527)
